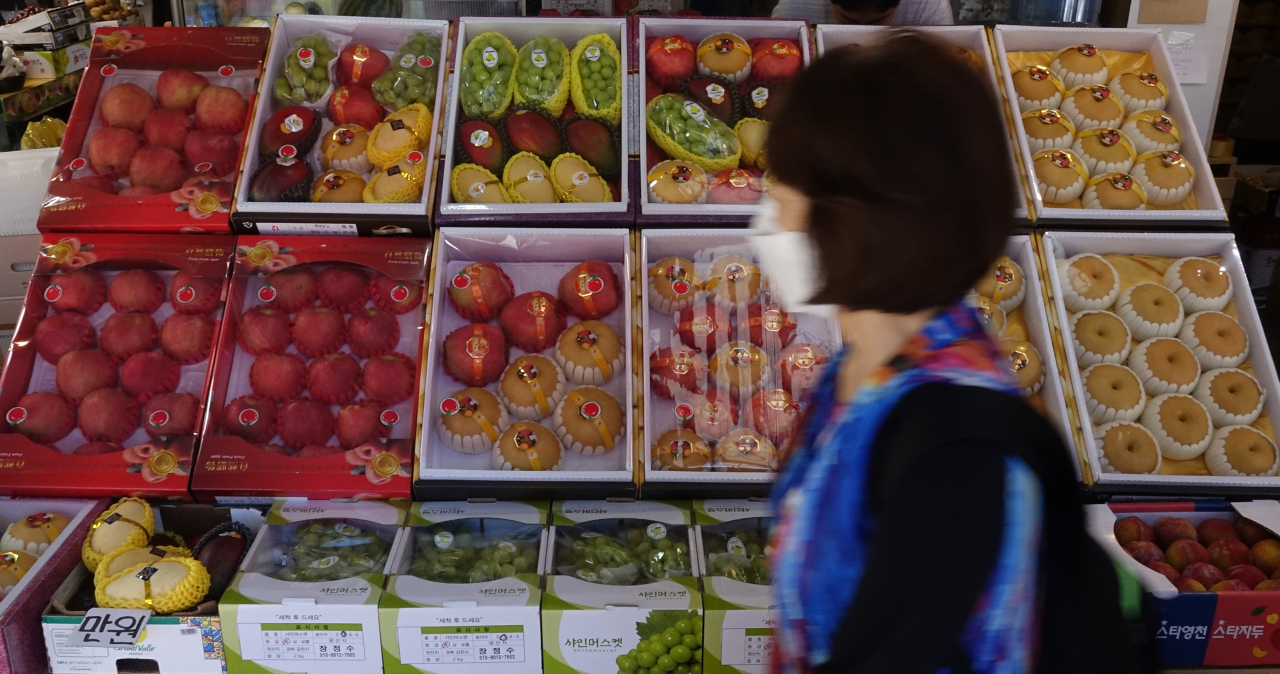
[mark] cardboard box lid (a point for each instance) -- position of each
(527, 512)
(293, 510)
(565, 513)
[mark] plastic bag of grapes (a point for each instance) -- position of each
(686, 131)
(540, 74)
(594, 557)
(305, 77)
(327, 550)
(484, 87)
(597, 79)
(413, 75)
(623, 552)
(738, 550)
(475, 550)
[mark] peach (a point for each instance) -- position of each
(1145, 552)
(1214, 530)
(167, 128)
(1164, 569)
(1226, 554)
(1132, 529)
(1230, 586)
(111, 150)
(1184, 553)
(157, 167)
(1251, 532)
(1170, 529)
(1266, 555)
(1247, 573)
(1267, 586)
(1205, 573)
(1185, 584)
(126, 106)
(178, 89)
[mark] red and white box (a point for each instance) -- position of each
(104, 388)
(324, 343)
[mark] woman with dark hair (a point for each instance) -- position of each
(927, 519)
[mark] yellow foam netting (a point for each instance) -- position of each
(554, 103)
(462, 197)
(415, 177)
(132, 589)
(676, 150)
(101, 574)
(1117, 62)
(501, 95)
(122, 531)
(421, 134)
(761, 159)
(613, 113)
(509, 182)
(566, 192)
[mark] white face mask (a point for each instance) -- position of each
(790, 260)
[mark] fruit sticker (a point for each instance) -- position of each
(1109, 137)
(443, 540)
(461, 281)
(77, 164)
(534, 176)
(592, 53)
(509, 547)
(1162, 123)
(1148, 79)
(695, 111)
(346, 529)
(389, 418)
(715, 92)
(490, 57)
(53, 293)
(480, 138)
(1038, 73)
(158, 418)
(324, 562)
(759, 96)
(108, 70)
(736, 546)
(248, 417)
(1087, 49)
(16, 416)
(306, 57)
(291, 124)
(414, 157)
(407, 61)
(426, 61)
(657, 531)
(539, 58)
(449, 407)
(266, 293)
(581, 178)
(589, 410)
(203, 167)
(1100, 92)
(227, 70)
(476, 190)
(684, 412)
(478, 347)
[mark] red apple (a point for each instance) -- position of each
(1251, 532)
(1267, 586)
(1249, 574)
(1205, 573)
(1165, 570)
(1184, 553)
(1230, 586)
(1170, 529)
(1226, 554)
(1212, 531)
(1266, 555)
(1132, 529)
(1145, 552)
(1185, 584)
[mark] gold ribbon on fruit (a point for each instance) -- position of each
(537, 306)
(144, 574)
(162, 463)
(581, 285)
(477, 348)
(670, 45)
(112, 519)
(527, 441)
(564, 194)
(681, 449)
(778, 49)
(46, 523)
(1004, 276)
(10, 562)
(359, 54)
(733, 273)
(581, 402)
(587, 339)
(528, 373)
(719, 45)
(385, 465)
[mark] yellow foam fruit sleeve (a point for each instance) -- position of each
(582, 102)
(119, 560)
(414, 177)
(421, 132)
(161, 586)
(510, 182)
(565, 192)
(460, 193)
(675, 150)
(554, 101)
(486, 100)
(127, 524)
(760, 159)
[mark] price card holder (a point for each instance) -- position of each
(110, 628)
(322, 228)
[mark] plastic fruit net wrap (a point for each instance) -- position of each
(305, 78)
(413, 76)
(541, 70)
(488, 62)
(738, 550)
(623, 552)
(597, 79)
(686, 131)
(475, 550)
(331, 549)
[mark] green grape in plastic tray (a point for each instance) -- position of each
(645, 554)
(487, 64)
(540, 69)
(692, 127)
(740, 554)
(463, 557)
(599, 73)
(304, 77)
(413, 74)
(332, 550)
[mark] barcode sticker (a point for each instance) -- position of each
(189, 631)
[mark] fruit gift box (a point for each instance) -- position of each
(308, 590)
(316, 392)
(539, 120)
(710, 87)
(154, 139)
(346, 129)
(733, 544)
(622, 588)
(528, 388)
(1172, 378)
(1103, 128)
(726, 370)
(104, 389)
(1208, 568)
(466, 590)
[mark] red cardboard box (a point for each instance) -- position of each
(378, 464)
(139, 464)
(79, 199)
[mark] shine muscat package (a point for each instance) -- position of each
(306, 598)
(318, 370)
(104, 390)
(465, 590)
(733, 538)
(622, 589)
(154, 139)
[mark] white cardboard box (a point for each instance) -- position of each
(740, 616)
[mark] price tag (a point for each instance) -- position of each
(110, 628)
(469, 645)
(322, 641)
(323, 228)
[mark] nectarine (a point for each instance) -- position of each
(1145, 552)
(1214, 530)
(1132, 529)
(1227, 553)
(1205, 573)
(1184, 553)
(1170, 529)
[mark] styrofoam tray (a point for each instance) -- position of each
(1061, 245)
(384, 34)
(534, 259)
(1032, 38)
(520, 31)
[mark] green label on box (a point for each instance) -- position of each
(312, 627)
(759, 632)
(474, 629)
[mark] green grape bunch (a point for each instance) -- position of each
(327, 550)
(662, 556)
(487, 64)
(741, 555)
(540, 69)
(670, 642)
(304, 77)
(599, 559)
(413, 75)
(598, 72)
(462, 557)
(692, 127)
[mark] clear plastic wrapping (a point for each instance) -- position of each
(738, 550)
(542, 74)
(623, 552)
(487, 65)
(685, 130)
(474, 550)
(306, 77)
(412, 78)
(331, 549)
